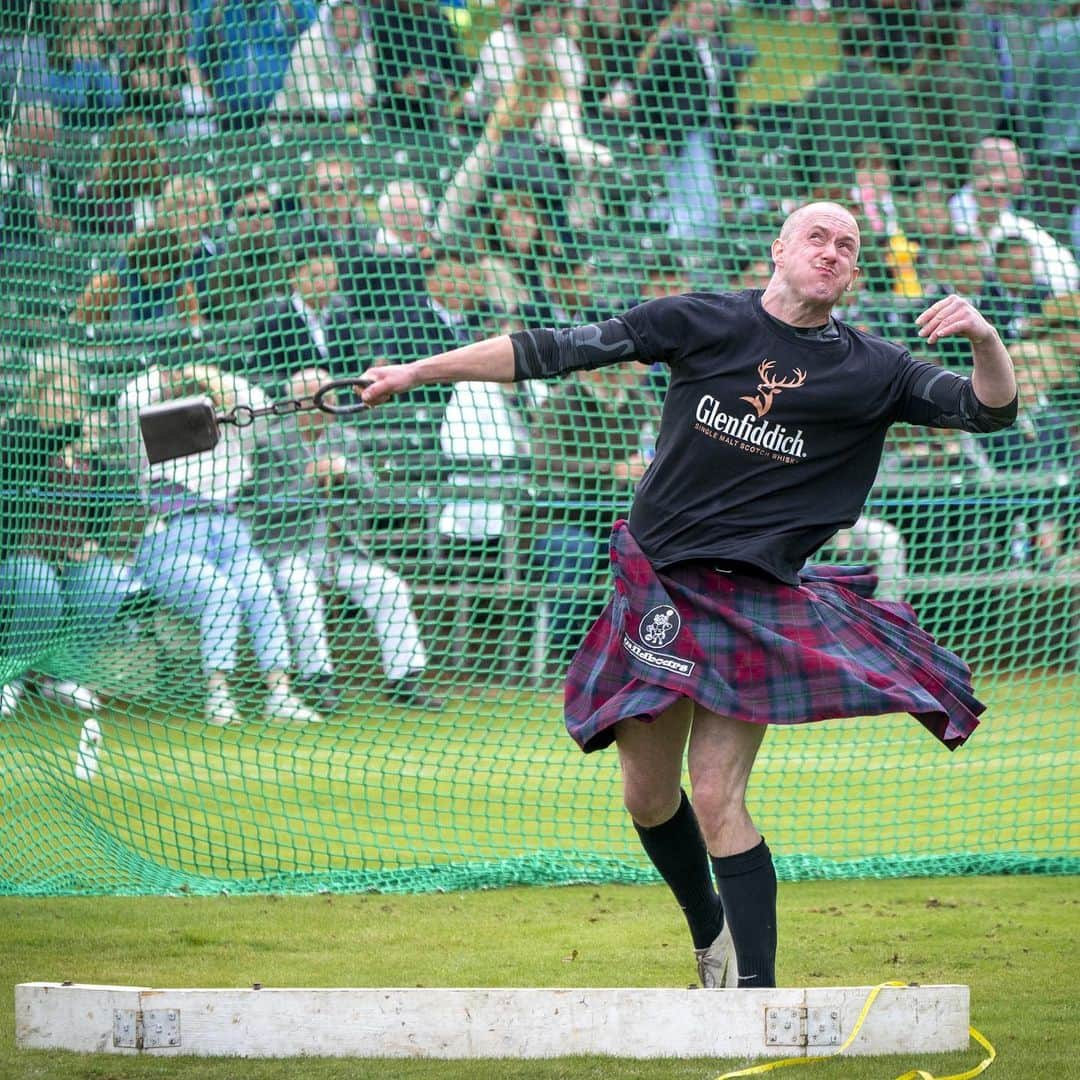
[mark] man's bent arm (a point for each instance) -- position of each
(992, 377)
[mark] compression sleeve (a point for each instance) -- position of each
(943, 399)
(547, 354)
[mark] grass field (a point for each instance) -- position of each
(1013, 940)
(492, 792)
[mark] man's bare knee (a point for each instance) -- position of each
(651, 758)
(650, 804)
(725, 821)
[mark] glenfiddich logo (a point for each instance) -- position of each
(770, 386)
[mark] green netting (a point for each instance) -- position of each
(211, 197)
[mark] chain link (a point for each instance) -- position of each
(243, 416)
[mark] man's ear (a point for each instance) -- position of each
(854, 277)
(777, 251)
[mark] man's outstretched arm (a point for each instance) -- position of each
(491, 360)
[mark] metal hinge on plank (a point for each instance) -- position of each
(146, 1029)
(798, 1025)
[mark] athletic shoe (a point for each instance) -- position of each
(220, 709)
(9, 699)
(284, 707)
(69, 693)
(716, 965)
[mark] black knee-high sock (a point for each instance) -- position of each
(678, 851)
(747, 884)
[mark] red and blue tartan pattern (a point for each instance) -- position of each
(759, 651)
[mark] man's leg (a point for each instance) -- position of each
(721, 757)
(651, 757)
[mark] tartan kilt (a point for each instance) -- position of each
(760, 651)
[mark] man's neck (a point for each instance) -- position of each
(795, 311)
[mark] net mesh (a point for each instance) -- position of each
(327, 656)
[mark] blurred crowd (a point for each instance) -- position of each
(559, 162)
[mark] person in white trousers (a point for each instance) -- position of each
(308, 480)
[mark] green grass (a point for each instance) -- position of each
(493, 792)
(1013, 940)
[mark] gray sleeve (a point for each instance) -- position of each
(547, 354)
(943, 399)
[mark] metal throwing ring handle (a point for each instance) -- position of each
(338, 384)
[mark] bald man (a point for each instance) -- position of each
(771, 436)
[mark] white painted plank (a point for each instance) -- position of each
(902, 1018)
(485, 1023)
(51, 1016)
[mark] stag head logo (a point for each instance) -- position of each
(770, 386)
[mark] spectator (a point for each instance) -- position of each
(252, 266)
(330, 75)
(924, 216)
(56, 586)
(963, 268)
(1050, 109)
(373, 262)
(419, 66)
(1022, 297)
(949, 97)
(570, 289)
(120, 195)
(304, 330)
(826, 145)
(515, 244)
(191, 205)
(25, 30)
(1044, 439)
(662, 272)
(162, 82)
(531, 31)
(684, 107)
(510, 164)
(591, 442)
(330, 200)
(31, 206)
(305, 506)
(888, 257)
(1008, 32)
(84, 85)
(528, 54)
(750, 264)
(152, 280)
(403, 211)
(985, 208)
(611, 37)
(1049, 363)
(244, 48)
(196, 554)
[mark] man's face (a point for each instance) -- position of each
(407, 220)
(316, 281)
(961, 269)
(254, 214)
(1013, 263)
(346, 21)
(332, 195)
(817, 253)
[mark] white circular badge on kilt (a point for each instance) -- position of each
(660, 626)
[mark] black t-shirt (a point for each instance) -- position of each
(770, 438)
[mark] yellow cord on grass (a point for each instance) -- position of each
(913, 1074)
